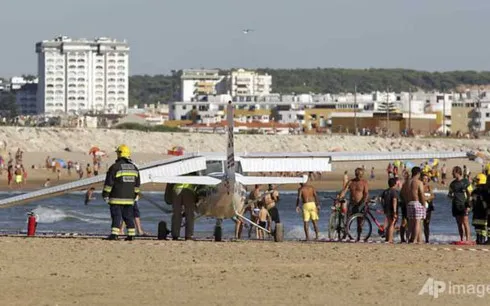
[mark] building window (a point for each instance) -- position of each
(81, 80)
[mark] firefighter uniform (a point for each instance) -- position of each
(480, 201)
(121, 188)
(184, 199)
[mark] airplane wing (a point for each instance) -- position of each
(321, 161)
(163, 168)
(264, 180)
(195, 180)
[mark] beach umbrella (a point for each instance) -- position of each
(93, 150)
(60, 162)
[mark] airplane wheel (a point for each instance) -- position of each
(279, 233)
(162, 230)
(218, 232)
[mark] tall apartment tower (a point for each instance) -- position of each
(76, 76)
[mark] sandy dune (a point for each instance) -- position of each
(47, 271)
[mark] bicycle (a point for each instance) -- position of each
(336, 224)
(362, 219)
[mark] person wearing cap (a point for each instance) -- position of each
(480, 201)
(121, 188)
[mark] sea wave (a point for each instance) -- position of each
(49, 215)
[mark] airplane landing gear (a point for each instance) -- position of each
(162, 230)
(218, 230)
(278, 233)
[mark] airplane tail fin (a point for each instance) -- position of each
(230, 148)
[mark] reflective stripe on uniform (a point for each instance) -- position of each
(126, 173)
(107, 188)
(115, 230)
(137, 190)
(480, 222)
(118, 201)
(131, 232)
(481, 232)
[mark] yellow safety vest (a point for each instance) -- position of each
(183, 186)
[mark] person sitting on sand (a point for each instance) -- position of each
(311, 207)
(47, 183)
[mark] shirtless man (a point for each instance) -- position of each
(415, 210)
(359, 193)
(311, 206)
(271, 204)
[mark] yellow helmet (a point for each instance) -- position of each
(481, 179)
(123, 151)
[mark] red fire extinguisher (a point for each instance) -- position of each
(31, 224)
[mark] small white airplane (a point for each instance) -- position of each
(246, 31)
(227, 196)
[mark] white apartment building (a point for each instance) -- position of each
(76, 76)
(202, 82)
(246, 83)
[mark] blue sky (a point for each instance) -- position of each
(176, 34)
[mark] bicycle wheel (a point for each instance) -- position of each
(359, 227)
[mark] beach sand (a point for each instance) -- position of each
(66, 271)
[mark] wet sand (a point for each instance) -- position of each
(62, 271)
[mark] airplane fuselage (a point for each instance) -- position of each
(223, 201)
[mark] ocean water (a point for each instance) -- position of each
(68, 214)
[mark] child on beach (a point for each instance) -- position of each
(264, 220)
(372, 176)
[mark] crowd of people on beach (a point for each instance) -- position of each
(16, 172)
(410, 193)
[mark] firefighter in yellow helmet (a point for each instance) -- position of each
(480, 202)
(121, 188)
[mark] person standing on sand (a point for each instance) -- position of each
(184, 200)
(270, 201)
(358, 189)
(415, 210)
(404, 234)
(345, 180)
(480, 202)
(390, 207)
(121, 188)
(429, 205)
(443, 174)
(311, 207)
(460, 194)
